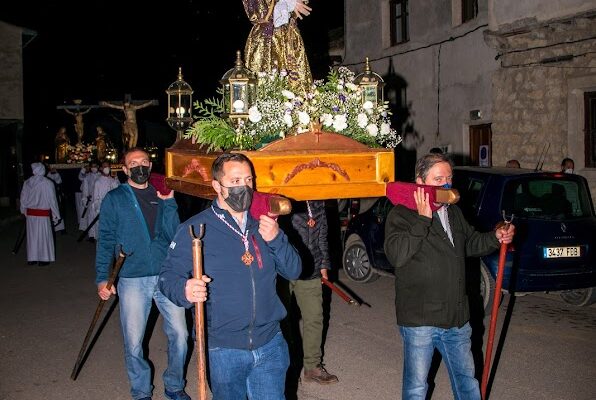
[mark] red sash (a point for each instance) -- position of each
(35, 212)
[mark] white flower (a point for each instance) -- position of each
(368, 105)
(287, 94)
(254, 115)
(385, 128)
(372, 130)
(340, 122)
(288, 120)
(303, 117)
(362, 120)
(288, 105)
(352, 86)
(327, 119)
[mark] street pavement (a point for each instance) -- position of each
(548, 350)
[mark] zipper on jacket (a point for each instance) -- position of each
(254, 307)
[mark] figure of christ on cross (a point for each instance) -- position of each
(130, 130)
(77, 111)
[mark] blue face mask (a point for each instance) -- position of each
(446, 186)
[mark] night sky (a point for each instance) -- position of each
(103, 50)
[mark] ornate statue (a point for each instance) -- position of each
(62, 142)
(130, 131)
(100, 143)
(275, 41)
(78, 126)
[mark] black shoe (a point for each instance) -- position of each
(91, 240)
(63, 232)
(43, 263)
(31, 262)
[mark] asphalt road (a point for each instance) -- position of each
(547, 349)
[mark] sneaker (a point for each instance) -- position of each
(319, 375)
(179, 395)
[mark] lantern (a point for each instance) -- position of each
(179, 104)
(371, 85)
(239, 87)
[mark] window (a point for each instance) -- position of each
(469, 10)
(590, 129)
(545, 198)
(399, 21)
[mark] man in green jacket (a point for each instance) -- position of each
(428, 251)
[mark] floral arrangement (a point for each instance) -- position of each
(278, 112)
(80, 153)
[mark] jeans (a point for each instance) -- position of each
(259, 374)
(454, 344)
(135, 296)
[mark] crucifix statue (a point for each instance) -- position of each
(77, 111)
(130, 130)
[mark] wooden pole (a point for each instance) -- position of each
(197, 263)
(493, 317)
(113, 276)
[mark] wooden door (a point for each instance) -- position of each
(480, 135)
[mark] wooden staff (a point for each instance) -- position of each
(495, 310)
(117, 265)
(197, 270)
(340, 293)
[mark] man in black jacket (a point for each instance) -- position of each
(309, 235)
(428, 250)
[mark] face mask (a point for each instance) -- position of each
(139, 174)
(568, 171)
(94, 170)
(446, 186)
(106, 171)
(239, 197)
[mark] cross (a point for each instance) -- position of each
(78, 110)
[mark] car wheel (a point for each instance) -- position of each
(580, 297)
(356, 263)
(487, 288)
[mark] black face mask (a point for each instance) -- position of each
(239, 197)
(139, 174)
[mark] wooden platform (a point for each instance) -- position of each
(309, 166)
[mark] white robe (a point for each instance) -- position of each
(79, 195)
(55, 176)
(39, 193)
(102, 186)
(87, 193)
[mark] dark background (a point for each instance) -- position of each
(97, 51)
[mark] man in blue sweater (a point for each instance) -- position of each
(142, 221)
(248, 355)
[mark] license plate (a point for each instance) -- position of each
(560, 252)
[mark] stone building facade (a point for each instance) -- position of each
(513, 77)
(546, 67)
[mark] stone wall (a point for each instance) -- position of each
(530, 91)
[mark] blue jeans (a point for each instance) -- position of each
(259, 374)
(135, 296)
(454, 344)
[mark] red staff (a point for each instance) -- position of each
(495, 309)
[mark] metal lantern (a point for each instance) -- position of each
(371, 84)
(179, 104)
(239, 87)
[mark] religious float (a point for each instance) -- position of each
(332, 143)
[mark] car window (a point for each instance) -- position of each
(469, 190)
(546, 198)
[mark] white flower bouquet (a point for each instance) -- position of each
(335, 104)
(80, 153)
